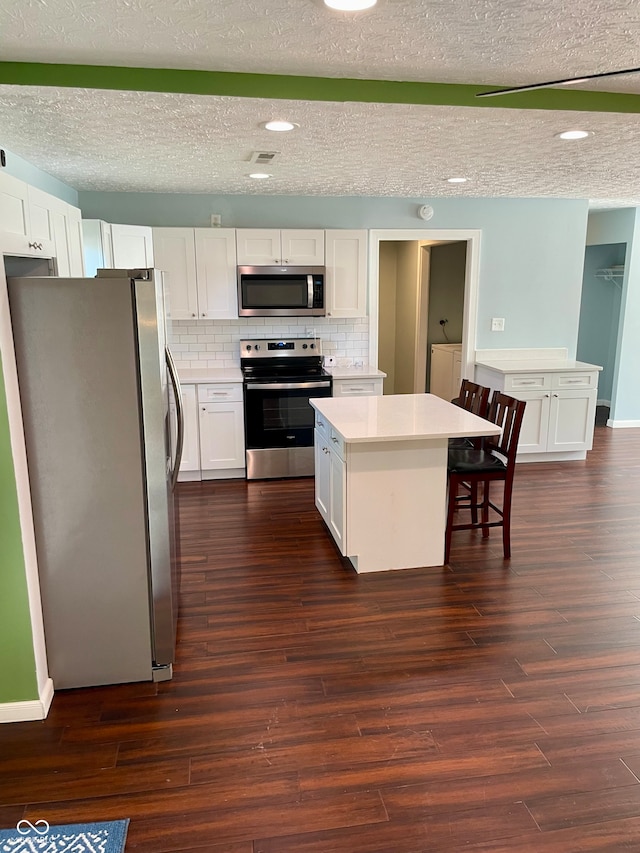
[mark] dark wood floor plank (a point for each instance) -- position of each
(484, 705)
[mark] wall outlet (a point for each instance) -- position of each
(216, 220)
(329, 361)
(358, 362)
(497, 324)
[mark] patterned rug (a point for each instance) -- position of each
(108, 837)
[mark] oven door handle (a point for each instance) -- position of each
(309, 291)
(285, 386)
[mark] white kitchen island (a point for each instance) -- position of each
(381, 475)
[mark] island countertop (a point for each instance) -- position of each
(398, 417)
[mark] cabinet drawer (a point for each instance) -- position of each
(336, 442)
(527, 381)
(584, 379)
(357, 388)
(322, 427)
(220, 393)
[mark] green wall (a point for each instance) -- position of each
(18, 681)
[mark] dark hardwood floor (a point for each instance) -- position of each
(482, 706)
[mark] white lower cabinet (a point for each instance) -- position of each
(331, 482)
(445, 371)
(221, 425)
(190, 463)
(561, 410)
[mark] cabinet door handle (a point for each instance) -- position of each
(556, 395)
(334, 439)
(320, 423)
(37, 246)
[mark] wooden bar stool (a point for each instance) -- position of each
(469, 467)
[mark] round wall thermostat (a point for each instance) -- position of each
(425, 212)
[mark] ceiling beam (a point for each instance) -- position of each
(284, 87)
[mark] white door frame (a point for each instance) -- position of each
(471, 283)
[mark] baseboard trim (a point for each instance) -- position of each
(623, 424)
(22, 712)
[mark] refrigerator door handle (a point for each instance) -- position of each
(173, 375)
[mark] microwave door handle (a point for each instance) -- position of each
(309, 291)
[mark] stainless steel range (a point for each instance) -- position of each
(280, 376)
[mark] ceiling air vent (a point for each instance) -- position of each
(263, 158)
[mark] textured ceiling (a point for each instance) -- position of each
(130, 141)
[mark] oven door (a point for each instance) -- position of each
(279, 424)
(278, 414)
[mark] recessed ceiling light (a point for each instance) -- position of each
(350, 5)
(279, 126)
(573, 134)
(457, 180)
(260, 176)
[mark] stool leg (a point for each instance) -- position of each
(485, 508)
(451, 508)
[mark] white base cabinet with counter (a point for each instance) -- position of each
(214, 424)
(381, 475)
(220, 414)
(446, 370)
(561, 405)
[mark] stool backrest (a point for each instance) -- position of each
(474, 398)
(507, 413)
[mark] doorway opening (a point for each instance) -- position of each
(599, 324)
(423, 293)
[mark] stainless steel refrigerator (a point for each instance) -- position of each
(98, 392)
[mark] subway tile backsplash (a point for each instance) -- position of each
(215, 343)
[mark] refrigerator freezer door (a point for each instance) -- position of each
(76, 346)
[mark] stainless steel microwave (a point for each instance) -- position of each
(281, 292)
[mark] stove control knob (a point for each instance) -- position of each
(257, 346)
(304, 346)
(313, 346)
(248, 347)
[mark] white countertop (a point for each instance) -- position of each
(199, 375)
(537, 365)
(399, 416)
(355, 372)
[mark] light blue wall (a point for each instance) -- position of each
(623, 226)
(531, 253)
(19, 168)
(600, 313)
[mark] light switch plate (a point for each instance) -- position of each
(497, 324)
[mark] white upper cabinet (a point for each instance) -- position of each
(35, 222)
(97, 245)
(132, 246)
(175, 255)
(272, 246)
(14, 206)
(200, 271)
(216, 272)
(346, 263)
(53, 219)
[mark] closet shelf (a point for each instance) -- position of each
(611, 273)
